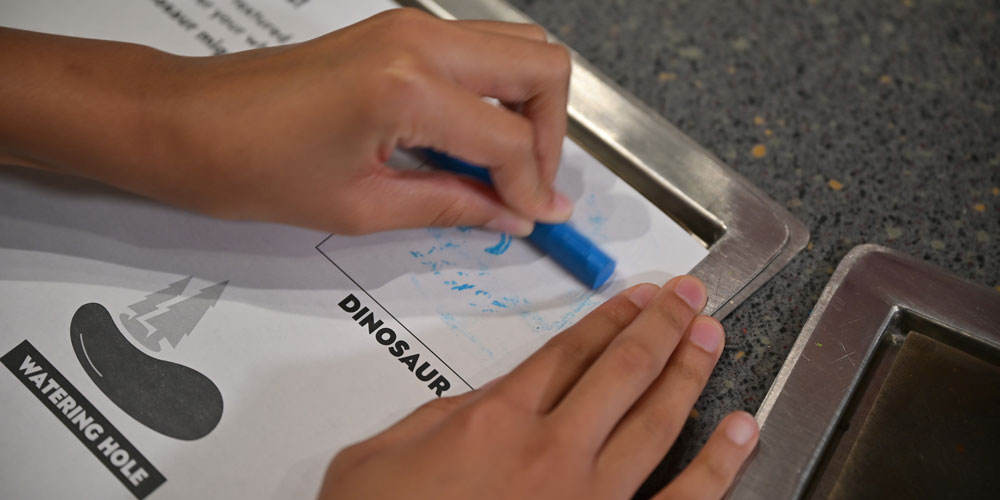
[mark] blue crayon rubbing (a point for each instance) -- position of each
(454, 326)
(578, 305)
(563, 243)
(433, 266)
(415, 282)
(501, 247)
(472, 280)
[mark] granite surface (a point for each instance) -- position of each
(873, 121)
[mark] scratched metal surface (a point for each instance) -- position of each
(870, 291)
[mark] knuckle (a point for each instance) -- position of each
(617, 314)
(519, 167)
(450, 215)
(396, 85)
(485, 416)
(441, 405)
(571, 350)
(688, 373)
(658, 421)
(715, 469)
(636, 358)
(519, 141)
(401, 78)
(675, 314)
(561, 61)
(404, 17)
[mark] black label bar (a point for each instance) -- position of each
(83, 420)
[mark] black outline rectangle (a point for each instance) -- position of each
(445, 363)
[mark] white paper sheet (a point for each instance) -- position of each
(261, 315)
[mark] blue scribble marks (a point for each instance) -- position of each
(580, 303)
(455, 286)
(435, 267)
(596, 220)
(455, 326)
(500, 247)
(502, 304)
(465, 269)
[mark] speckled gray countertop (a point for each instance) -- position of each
(873, 121)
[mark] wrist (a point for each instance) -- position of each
(88, 107)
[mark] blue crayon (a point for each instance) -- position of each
(572, 250)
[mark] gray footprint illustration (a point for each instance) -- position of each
(172, 399)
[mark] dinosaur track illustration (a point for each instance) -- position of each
(169, 398)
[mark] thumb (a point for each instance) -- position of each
(417, 198)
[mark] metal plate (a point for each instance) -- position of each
(874, 298)
(750, 237)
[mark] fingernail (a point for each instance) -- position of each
(706, 334)
(562, 207)
(642, 294)
(512, 224)
(691, 291)
(740, 429)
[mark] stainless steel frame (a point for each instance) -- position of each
(750, 237)
(874, 298)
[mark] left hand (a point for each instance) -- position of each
(587, 416)
(300, 134)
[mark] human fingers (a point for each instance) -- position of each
(631, 362)
(543, 379)
(449, 118)
(513, 69)
(535, 83)
(522, 30)
(415, 198)
(651, 426)
(712, 471)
